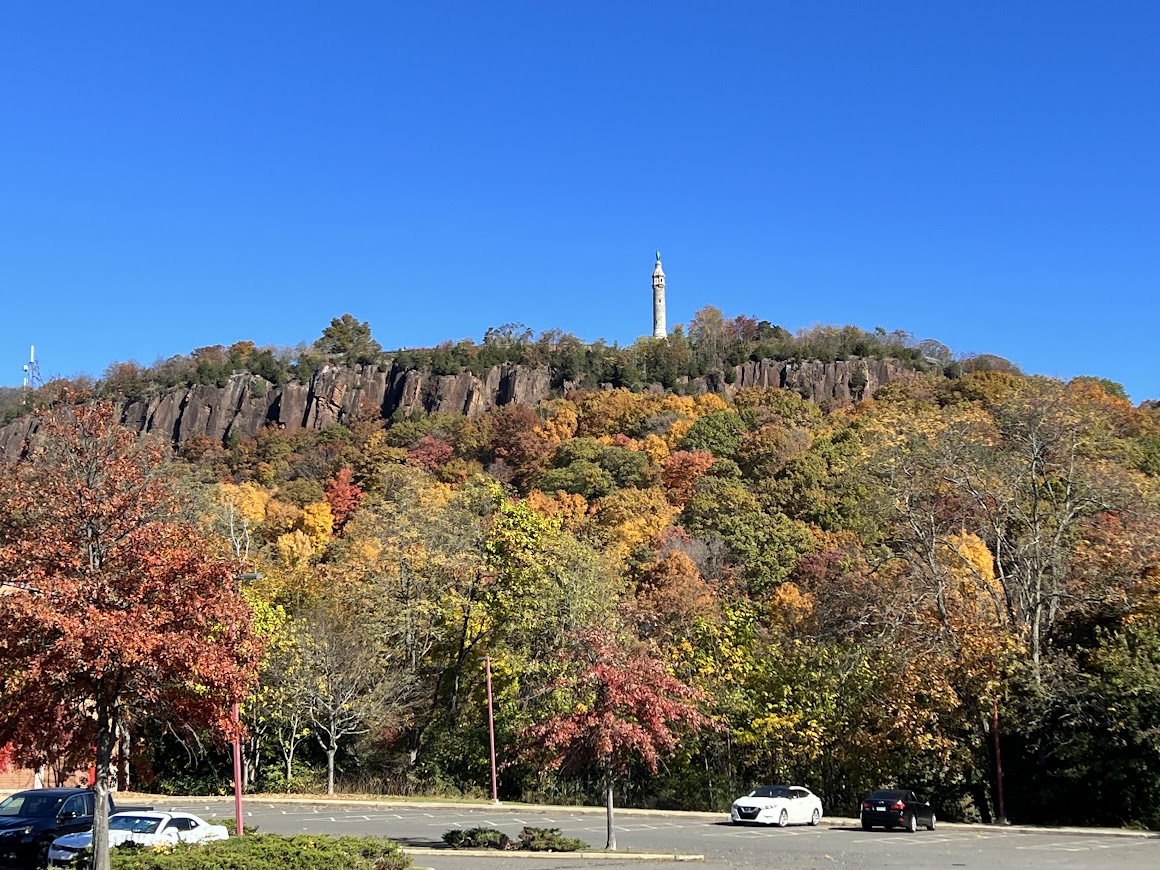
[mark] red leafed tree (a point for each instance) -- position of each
(343, 496)
(430, 453)
(619, 705)
(115, 608)
(6, 754)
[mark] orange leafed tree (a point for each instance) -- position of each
(115, 607)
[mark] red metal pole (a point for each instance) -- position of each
(998, 761)
(491, 732)
(237, 771)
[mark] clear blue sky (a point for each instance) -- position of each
(174, 175)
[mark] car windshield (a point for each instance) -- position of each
(26, 804)
(888, 795)
(136, 824)
(770, 791)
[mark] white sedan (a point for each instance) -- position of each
(778, 805)
(146, 828)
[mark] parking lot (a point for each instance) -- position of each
(837, 843)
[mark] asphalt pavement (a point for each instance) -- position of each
(669, 838)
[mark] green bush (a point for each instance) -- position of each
(231, 825)
(260, 851)
(549, 840)
(478, 838)
(531, 840)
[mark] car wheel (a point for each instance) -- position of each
(735, 821)
(930, 827)
(42, 854)
(816, 818)
(866, 826)
(912, 823)
(783, 819)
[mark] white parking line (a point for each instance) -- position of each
(1079, 845)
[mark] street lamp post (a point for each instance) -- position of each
(237, 771)
(491, 731)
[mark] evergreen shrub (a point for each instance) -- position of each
(231, 825)
(477, 838)
(261, 851)
(549, 840)
(530, 840)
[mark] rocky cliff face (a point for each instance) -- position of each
(248, 403)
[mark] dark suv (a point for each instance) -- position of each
(896, 808)
(31, 820)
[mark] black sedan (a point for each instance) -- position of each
(895, 808)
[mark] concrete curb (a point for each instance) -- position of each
(499, 853)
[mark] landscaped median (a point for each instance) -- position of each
(262, 851)
(534, 842)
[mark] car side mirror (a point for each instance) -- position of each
(67, 816)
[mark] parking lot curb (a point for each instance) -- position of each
(501, 853)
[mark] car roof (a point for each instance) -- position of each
(59, 792)
(146, 814)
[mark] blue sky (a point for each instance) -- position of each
(180, 175)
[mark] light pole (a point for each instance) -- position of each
(491, 731)
(238, 824)
(237, 771)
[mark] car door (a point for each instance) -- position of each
(175, 829)
(914, 807)
(793, 806)
(923, 811)
(72, 816)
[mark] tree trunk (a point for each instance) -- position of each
(330, 750)
(289, 756)
(610, 844)
(251, 761)
(106, 739)
(1001, 815)
(123, 745)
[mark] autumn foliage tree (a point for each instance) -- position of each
(343, 496)
(120, 613)
(618, 705)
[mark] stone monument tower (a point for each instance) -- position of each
(659, 330)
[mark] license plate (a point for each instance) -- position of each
(880, 809)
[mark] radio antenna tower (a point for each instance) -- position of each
(31, 370)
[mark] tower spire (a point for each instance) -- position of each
(658, 285)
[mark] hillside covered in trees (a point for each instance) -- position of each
(712, 346)
(856, 594)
